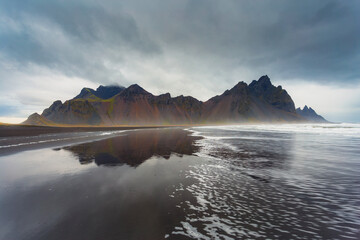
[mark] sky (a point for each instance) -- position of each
(50, 50)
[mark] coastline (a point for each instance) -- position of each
(9, 130)
(32, 130)
(236, 170)
(19, 138)
(16, 138)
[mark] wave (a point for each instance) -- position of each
(340, 129)
(285, 180)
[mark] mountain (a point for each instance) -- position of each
(310, 115)
(260, 101)
(102, 92)
(39, 120)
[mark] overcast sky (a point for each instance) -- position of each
(50, 50)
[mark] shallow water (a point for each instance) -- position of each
(252, 181)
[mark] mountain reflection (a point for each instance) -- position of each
(135, 147)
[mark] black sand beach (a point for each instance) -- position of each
(16, 138)
(27, 130)
(230, 182)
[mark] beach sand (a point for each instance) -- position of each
(27, 130)
(17, 138)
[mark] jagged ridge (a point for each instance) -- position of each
(310, 114)
(259, 101)
(102, 92)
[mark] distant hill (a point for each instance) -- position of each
(259, 101)
(310, 115)
(39, 120)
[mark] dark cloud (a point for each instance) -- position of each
(77, 38)
(294, 39)
(198, 47)
(291, 39)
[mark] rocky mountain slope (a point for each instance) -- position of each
(259, 101)
(102, 92)
(310, 115)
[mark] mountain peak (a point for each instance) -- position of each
(106, 92)
(240, 85)
(85, 93)
(264, 79)
(102, 87)
(263, 82)
(102, 92)
(36, 119)
(238, 88)
(134, 89)
(276, 96)
(309, 114)
(165, 95)
(135, 86)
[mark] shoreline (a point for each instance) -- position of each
(18, 130)
(31, 130)
(16, 140)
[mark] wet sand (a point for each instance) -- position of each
(27, 130)
(231, 182)
(17, 138)
(115, 188)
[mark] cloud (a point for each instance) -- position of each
(191, 47)
(334, 103)
(6, 110)
(78, 39)
(285, 39)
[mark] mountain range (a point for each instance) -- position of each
(260, 101)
